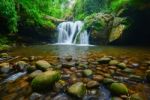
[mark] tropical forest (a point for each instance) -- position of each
(74, 50)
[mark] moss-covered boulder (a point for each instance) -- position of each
(118, 88)
(42, 65)
(45, 80)
(78, 89)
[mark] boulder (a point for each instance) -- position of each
(45, 80)
(78, 89)
(118, 88)
(42, 65)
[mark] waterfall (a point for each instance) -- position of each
(72, 33)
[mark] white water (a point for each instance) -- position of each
(72, 33)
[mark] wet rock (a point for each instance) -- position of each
(118, 88)
(45, 80)
(122, 65)
(83, 65)
(98, 78)
(116, 98)
(104, 60)
(128, 70)
(4, 67)
(108, 81)
(69, 58)
(21, 65)
(135, 65)
(4, 55)
(68, 64)
(60, 85)
(67, 76)
(25, 59)
(113, 62)
(78, 89)
(136, 97)
(148, 75)
(34, 74)
(112, 67)
(61, 97)
(42, 65)
(147, 63)
(36, 96)
(135, 78)
(30, 69)
(92, 84)
(87, 72)
(32, 58)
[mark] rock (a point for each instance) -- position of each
(83, 65)
(87, 72)
(42, 65)
(78, 89)
(113, 62)
(147, 63)
(21, 65)
(4, 67)
(25, 59)
(34, 74)
(36, 96)
(135, 78)
(104, 60)
(68, 64)
(118, 88)
(136, 97)
(92, 84)
(128, 70)
(60, 85)
(148, 75)
(30, 69)
(61, 97)
(69, 58)
(116, 98)
(4, 55)
(45, 80)
(122, 65)
(108, 81)
(135, 65)
(98, 78)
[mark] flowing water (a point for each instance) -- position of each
(72, 33)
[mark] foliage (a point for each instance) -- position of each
(30, 11)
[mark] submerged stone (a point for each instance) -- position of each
(122, 65)
(119, 88)
(45, 80)
(88, 72)
(92, 84)
(104, 60)
(113, 62)
(42, 65)
(78, 89)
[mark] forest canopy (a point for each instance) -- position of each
(33, 12)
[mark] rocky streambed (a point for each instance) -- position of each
(96, 76)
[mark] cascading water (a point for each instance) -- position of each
(72, 33)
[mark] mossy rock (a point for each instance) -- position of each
(45, 80)
(4, 55)
(118, 89)
(42, 65)
(122, 65)
(104, 60)
(78, 89)
(113, 62)
(87, 72)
